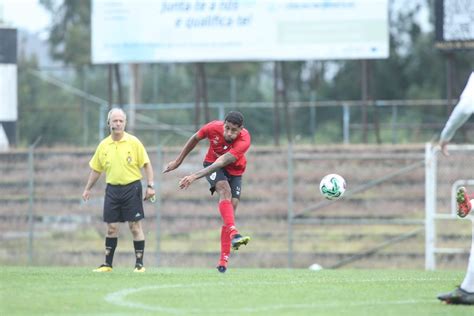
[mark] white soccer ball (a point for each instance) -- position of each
(332, 186)
(315, 267)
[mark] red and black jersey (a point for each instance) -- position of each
(214, 132)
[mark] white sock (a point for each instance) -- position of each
(468, 283)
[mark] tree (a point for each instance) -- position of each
(70, 33)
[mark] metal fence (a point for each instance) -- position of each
(377, 224)
(312, 121)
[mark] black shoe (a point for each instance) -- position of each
(221, 269)
(238, 241)
(457, 296)
(103, 268)
(139, 268)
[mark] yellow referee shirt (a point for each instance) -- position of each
(120, 160)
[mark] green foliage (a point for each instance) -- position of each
(70, 34)
(46, 119)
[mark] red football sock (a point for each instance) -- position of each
(227, 213)
(225, 246)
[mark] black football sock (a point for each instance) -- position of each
(139, 246)
(110, 245)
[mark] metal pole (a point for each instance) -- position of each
(31, 199)
(394, 124)
(312, 116)
(221, 112)
(102, 111)
(449, 80)
(346, 117)
(83, 109)
(159, 164)
(290, 204)
(233, 91)
(430, 207)
(364, 96)
(110, 85)
(133, 97)
(155, 77)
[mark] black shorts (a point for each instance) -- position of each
(123, 203)
(235, 182)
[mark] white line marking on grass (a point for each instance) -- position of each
(119, 298)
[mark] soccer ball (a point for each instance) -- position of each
(332, 186)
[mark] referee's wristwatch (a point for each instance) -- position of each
(151, 186)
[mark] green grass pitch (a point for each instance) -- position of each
(169, 291)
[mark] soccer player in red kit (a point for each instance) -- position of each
(224, 165)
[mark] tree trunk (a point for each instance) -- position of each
(197, 97)
(276, 110)
(286, 104)
(371, 98)
(364, 97)
(203, 81)
(111, 86)
(134, 96)
(119, 85)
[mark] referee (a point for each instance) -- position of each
(121, 156)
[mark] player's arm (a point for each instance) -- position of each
(458, 117)
(93, 177)
(150, 189)
(188, 147)
(221, 162)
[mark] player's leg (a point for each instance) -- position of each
(133, 213)
(463, 294)
(228, 188)
(138, 244)
(213, 179)
(226, 210)
(235, 183)
(468, 283)
(111, 239)
(225, 242)
(464, 208)
(111, 216)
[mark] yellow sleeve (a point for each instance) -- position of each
(142, 154)
(94, 163)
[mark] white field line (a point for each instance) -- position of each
(119, 298)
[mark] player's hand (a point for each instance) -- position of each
(444, 147)
(185, 182)
(85, 195)
(150, 195)
(171, 166)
